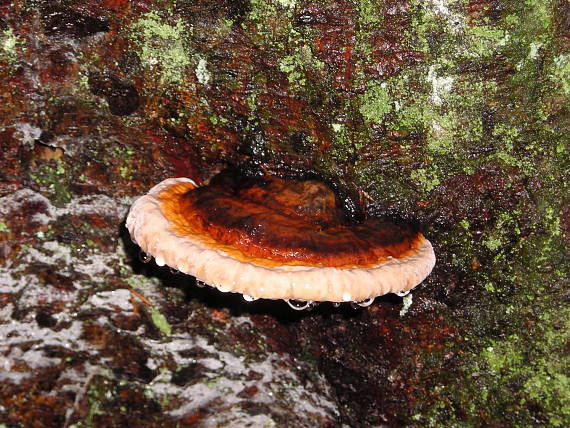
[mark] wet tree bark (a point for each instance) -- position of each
(451, 115)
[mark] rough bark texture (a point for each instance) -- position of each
(450, 114)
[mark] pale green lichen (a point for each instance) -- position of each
(505, 228)
(441, 132)
(552, 221)
(288, 4)
(296, 66)
(162, 47)
(124, 171)
(441, 85)
(534, 48)
(160, 321)
(406, 304)
(202, 73)
(337, 127)
(9, 42)
(561, 72)
(215, 119)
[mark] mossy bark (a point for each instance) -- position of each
(450, 114)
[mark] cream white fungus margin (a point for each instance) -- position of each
(150, 229)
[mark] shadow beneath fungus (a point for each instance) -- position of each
(277, 309)
(236, 306)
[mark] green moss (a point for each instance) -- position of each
(539, 15)
(297, 65)
(97, 394)
(508, 122)
(251, 101)
(291, 67)
(507, 133)
(52, 176)
(521, 377)
(117, 156)
(124, 171)
(369, 11)
(505, 230)
(408, 117)
(90, 243)
(342, 143)
(162, 46)
(484, 41)
(428, 178)
(538, 363)
(273, 22)
(493, 242)
(375, 103)
(442, 132)
(215, 120)
(446, 111)
(530, 361)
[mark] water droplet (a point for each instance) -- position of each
(336, 304)
(174, 271)
(144, 257)
(362, 303)
(249, 298)
(300, 305)
(200, 284)
(402, 293)
(365, 303)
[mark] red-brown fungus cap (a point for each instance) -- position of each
(269, 237)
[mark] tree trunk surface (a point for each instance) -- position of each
(452, 115)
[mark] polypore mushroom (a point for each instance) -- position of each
(275, 238)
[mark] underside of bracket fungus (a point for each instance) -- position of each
(276, 238)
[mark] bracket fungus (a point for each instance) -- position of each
(276, 238)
